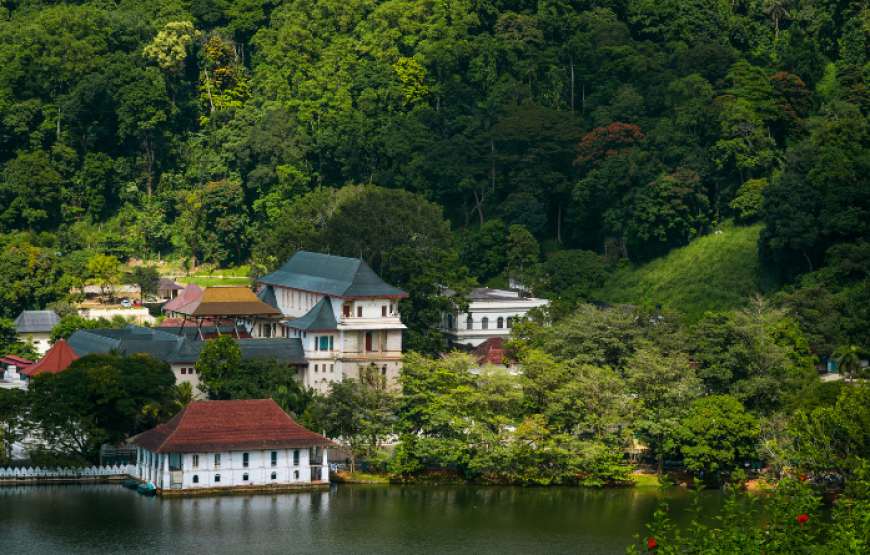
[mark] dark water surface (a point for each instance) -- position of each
(423, 520)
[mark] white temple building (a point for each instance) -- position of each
(231, 444)
(491, 313)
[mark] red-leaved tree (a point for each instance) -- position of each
(604, 142)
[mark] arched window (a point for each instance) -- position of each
(500, 323)
(295, 474)
(510, 322)
(469, 324)
(217, 478)
(484, 323)
(245, 477)
(274, 475)
(196, 478)
(450, 321)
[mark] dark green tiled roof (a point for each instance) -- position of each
(267, 295)
(334, 276)
(172, 348)
(319, 318)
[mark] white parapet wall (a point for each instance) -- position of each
(140, 315)
(92, 472)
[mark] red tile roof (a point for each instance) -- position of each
(57, 359)
(491, 352)
(16, 361)
(210, 426)
(176, 322)
(187, 296)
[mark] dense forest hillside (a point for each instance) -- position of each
(443, 141)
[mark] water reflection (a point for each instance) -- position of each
(350, 519)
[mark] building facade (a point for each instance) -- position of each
(231, 444)
(36, 325)
(491, 313)
(344, 315)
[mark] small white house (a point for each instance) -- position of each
(37, 325)
(491, 314)
(231, 445)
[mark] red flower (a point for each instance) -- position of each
(652, 544)
(802, 519)
(802, 477)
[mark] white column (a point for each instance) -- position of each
(324, 472)
(165, 481)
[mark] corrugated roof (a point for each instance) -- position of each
(319, 318)
(227, 301)
(335, 276)
(188, 295)
(229, 426)
(35, 321)
(172, 348)
(57, 359)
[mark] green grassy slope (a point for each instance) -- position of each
(714, 273)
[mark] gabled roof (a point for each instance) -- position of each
(188, 295)
(34, 321)
(168, 285)
(227, 301)
(229, 426)
(57, 359)
(334, 276)
(491, 351)
(267, 295)
(319, 318)
(176, 349)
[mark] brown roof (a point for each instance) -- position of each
(227, 301)
(491, 352)
(210, 426)
(16, 361)
(168, 285)
(188, 295)
(57, 359)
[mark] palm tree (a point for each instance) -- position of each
(776, 9)
(848, 358)
(183, 394)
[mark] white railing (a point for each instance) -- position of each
(37, 472)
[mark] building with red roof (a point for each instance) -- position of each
(57, 359)
(187, 296)
(231, 444)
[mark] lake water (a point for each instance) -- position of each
(363, 519)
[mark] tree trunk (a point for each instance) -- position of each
(571, 58)
(661, 469)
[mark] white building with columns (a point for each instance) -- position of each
(491, 314)
(231, 445)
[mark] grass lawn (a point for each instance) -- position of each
(646, 480)
(714, 273)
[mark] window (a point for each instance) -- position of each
(197, 371)
(469, 324)
(316, 344)
(195, 478)
(274, 458)
(274, 475)
(484, 323)
(245, 477)
(245, 459)
(384, 371)
(184, 370)
(330, 343)
(450, 321)
(384, 311)
(296, 457)
(500, 323)
(510, 321)
(359, 312)
(324, 343)
(217, 460)
(345, 310)
(368, 341)
(295, 474)
(195, 461)
(331, 368)
(217, 478)
(315, 368)
(304, 334)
